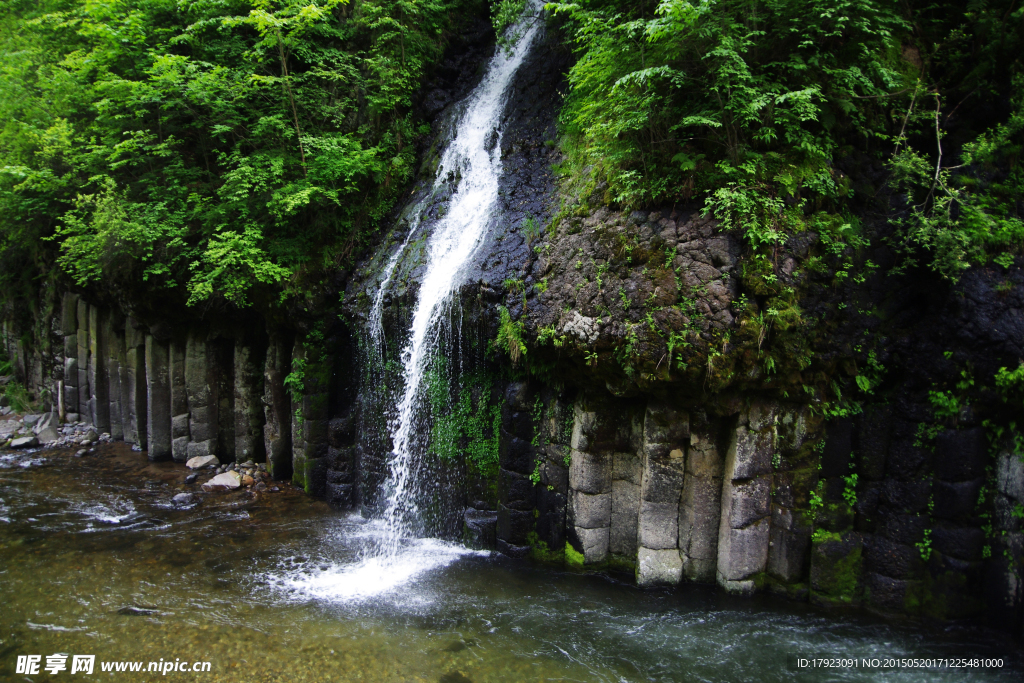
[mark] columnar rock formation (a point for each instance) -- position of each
(184, 393)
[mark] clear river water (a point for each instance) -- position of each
(95, 559)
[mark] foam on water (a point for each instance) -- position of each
(111, 512)
(371, 575)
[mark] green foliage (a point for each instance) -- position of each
(850, 490)
(465, 421)
(550, 334)
(742, 99)
(510, 336)
(228, 150)
(944, 404)
(295, 381)
(535, 475)
(924, 546)
(17, 397)
(749, 103)
(504, 14)
(956, 220)
(872, 376)
(1010, 385)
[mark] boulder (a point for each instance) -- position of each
(30, 420)
(45, 420)
(25, 442)
(47, 434)
(202, 461)
(224, 482)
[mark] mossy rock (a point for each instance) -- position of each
(837, 569)
(573, 559)
(540, 552)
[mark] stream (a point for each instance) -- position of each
(95, 559)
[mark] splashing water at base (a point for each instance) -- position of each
(373, 576)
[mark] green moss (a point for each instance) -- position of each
(622, 563)
(540, 552)
(573, 558)
(823, 536)
(837, 578)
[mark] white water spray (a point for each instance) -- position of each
(473, 156)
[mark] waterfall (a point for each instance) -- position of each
(375, 323)
(473, 157)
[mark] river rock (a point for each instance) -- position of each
(47, 434)
(223, 482)
(25, 442)
(183, 499)
(248, 481)
(30, 420)
(89, 437)
(202, 461)
(45, 420)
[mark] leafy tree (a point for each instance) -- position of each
(232, 151)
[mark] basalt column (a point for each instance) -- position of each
(113, 326)
(180, 434)
(158, 395)
(69, 329)
(589, 514)
(223, 381)
(200, 388)
(553, 452)
(790, 540)
(277, 441)
(83, 360)
(516, 456)
(700, 509)
(248, 407)
(746, 499)
(134, 385)
(99, 401)
(309, 423)
(666, 433)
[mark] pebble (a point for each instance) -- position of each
(191, 478)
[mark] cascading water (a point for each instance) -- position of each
(375, 322)
(473, 156)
